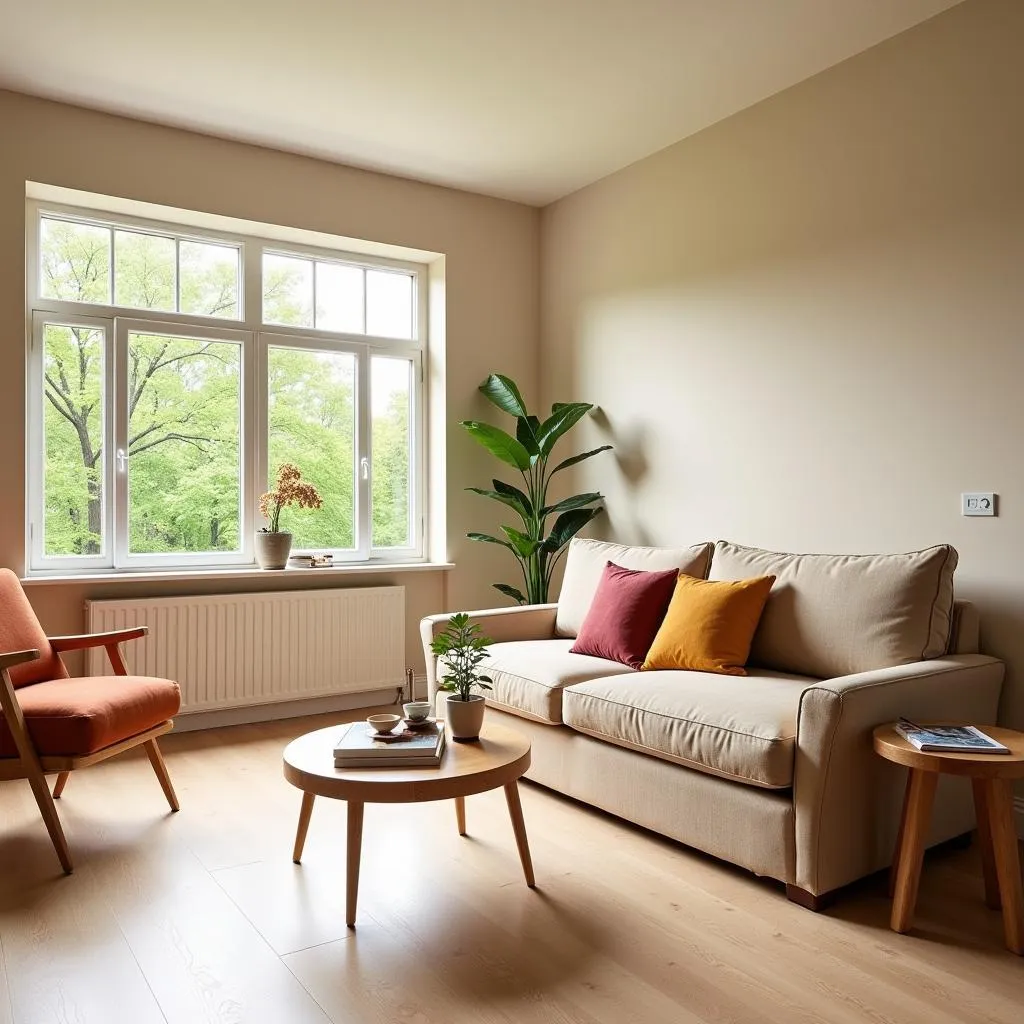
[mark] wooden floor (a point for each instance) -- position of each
(202, 917)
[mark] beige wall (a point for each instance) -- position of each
(805, 325)
(491, 280)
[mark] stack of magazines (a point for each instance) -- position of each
(358, 746)
(949, 738)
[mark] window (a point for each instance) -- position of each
(164, 395)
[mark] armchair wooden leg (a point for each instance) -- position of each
(58, 787)
(156, 759)
(49, 812)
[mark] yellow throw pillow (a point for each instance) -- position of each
(710, 625)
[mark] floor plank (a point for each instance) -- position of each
(202, 917)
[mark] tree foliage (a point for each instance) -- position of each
(184, 402)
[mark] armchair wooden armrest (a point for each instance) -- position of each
(13, 658)
(84, 641)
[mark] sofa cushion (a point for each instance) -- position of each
(709, 625)
(738, 727)
(834, 615)
(528, 676)
(625, 614)
(585, 563)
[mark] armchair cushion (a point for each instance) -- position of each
(20, 631)
(74, 717)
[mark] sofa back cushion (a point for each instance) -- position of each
(585, 564)
(833, 615)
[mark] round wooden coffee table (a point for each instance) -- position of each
(992, 776)
(499, 758)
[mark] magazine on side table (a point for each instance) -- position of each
(358, 746)
(950, 739)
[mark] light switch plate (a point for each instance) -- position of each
(978, 503)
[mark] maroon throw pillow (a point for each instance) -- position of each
(625, 614)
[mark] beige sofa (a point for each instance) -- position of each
(773, 771)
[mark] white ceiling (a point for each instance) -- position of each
(525, 99)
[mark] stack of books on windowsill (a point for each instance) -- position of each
(358, 746)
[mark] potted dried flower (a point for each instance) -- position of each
(272, 544)
(460, 648)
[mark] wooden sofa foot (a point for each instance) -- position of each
(808, 900)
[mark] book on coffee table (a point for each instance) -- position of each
(964, 739)
(357, 746)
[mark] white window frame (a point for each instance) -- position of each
(254, 336)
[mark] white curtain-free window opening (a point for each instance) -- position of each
(150, 440)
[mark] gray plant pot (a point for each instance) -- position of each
(272, 550)
(465, 717)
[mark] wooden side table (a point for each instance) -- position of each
(992, 777)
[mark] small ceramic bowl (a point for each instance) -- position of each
(383, 723)
(417, 710)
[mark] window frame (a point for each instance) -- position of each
(255, 337)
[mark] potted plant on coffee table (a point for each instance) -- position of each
(272, 543)
(460, 648)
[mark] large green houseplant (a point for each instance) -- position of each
(536, 548)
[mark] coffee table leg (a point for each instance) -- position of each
(899, 838)
(300, 836)
(1007, 857)
(460, 814)
(988, 858)
(515, 812)
(915, 832)
(355, 843)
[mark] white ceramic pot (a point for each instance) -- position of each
(272, 550)
(465, 717)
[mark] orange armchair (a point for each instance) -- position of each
(54, 724)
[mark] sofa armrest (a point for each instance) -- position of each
(847, 800)
(522, 622)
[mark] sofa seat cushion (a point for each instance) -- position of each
(528, 676)
(738, 727)
(74, 717)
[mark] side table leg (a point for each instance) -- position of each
(915, 831)
(515, 812)
(1007, 856)
(988, 857)
(305, 812)
(355, 844)
(899, 838)
(460, 814)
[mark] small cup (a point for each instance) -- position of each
(383, 723)
(416, 710)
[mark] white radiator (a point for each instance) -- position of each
(240, 649)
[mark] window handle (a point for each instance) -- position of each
(122, 460)
(364, 468)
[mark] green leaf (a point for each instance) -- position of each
(517, 595)
(566, 504)
(486, 538)
(527, 430)
(513, 501)
(513, 492)
(579, 458)
(504, 393)
(500, 444)
(567, 525)
(525, 546)
(564, 416)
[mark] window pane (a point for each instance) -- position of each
(389, 304)
(311, 423)
(339, 298)
(209, 279)
(75, 261)
(73, 441)
(287, 290)
(143, 271)
(391, 385)
(184, 472)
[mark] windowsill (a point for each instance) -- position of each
(241, 573)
